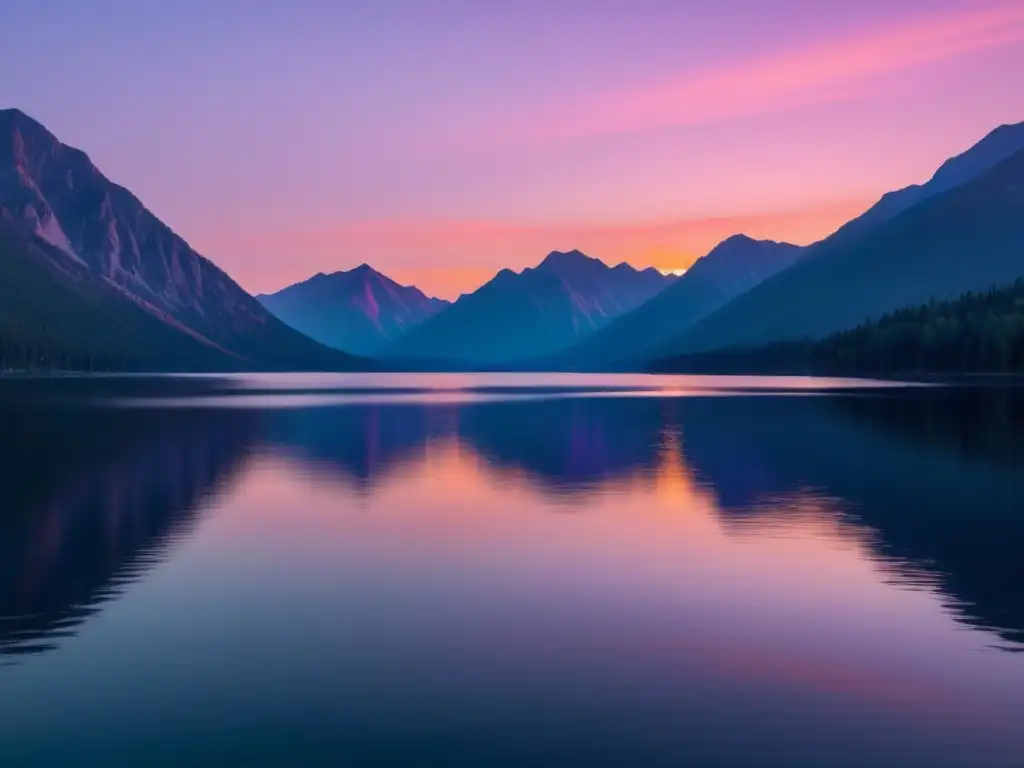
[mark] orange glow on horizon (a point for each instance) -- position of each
(449, 257)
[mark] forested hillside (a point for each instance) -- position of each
(55, 319)
(977, 333)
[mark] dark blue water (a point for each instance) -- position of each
(490, 571)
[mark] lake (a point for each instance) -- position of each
(488, 570)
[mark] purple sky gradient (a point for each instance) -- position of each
(442, 140)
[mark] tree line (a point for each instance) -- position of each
(976, 333)
(26, 347)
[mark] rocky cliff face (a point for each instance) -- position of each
(57, 193)
(56, 196)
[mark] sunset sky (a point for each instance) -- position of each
(440, 140)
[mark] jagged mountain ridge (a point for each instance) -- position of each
(533, 313)
(734, 266)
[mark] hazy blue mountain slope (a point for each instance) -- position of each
(1001, 143)
(969, 238)
(731, 268)
(358, 310)
(521, 316)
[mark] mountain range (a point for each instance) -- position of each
(358, 311)
(935, 241)
(89, 277)
(109, 278)
(734, 266)
(531, 314)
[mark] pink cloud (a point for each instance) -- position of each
(836, 70)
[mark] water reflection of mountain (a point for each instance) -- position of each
(362, 444)
(933, 480)
(564, 446)
(93, 499)
(568, 446)
(938, 478)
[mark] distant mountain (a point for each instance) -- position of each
(969, 238)
(102, 261)
(531, 314)
(734, 266)
(357, 311)
(1000, 144)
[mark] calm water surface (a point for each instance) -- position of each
(510, 570)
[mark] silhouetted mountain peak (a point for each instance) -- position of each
(14, 119)
(31, 144)
(529, 314)
(625, 266)
(359, 309)
(503, 277)
(341, 280)
(742, 240)
(738, 240)
(561, 260)
(735, 265)
(573, 254)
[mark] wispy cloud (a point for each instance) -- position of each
(834, 70)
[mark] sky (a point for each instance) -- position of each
(441, 140)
